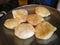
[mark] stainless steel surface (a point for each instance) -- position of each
(11, 39)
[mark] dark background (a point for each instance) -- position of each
(7, 5)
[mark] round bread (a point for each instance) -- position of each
(11, 23)
(20, 14)
(44, 30)
(24, 31)
(34, 19)
(42, 11)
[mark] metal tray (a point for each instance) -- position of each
(8, 37)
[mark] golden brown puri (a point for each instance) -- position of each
(20, 14)
(34, 19)
(42, 11)
(11, 23)
(44, 30)
(24, 31)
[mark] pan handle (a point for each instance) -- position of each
(2, 13)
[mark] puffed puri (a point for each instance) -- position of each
(11, 23)
(44, 30)
(42, 11)
(24, 31)
(20, 14)
(34, 19)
